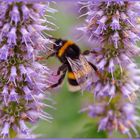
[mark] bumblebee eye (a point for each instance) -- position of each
(58, 44)
(61, 43)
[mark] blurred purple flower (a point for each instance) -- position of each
(123, 118)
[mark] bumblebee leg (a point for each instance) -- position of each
(51, 55)
(39, 58)
(62, 68)
(96, 70)
(93, 66)
(86, 52)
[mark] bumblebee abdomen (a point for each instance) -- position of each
(72, 83)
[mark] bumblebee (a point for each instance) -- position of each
(80, 72)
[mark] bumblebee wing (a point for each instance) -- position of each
(89, 72)
(83, 72)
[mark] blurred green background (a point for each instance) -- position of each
(68, 122)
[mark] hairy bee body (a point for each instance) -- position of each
(78, 69)
(67, 49)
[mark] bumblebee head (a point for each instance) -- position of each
(53, 49)
(58, 44)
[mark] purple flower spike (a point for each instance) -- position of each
(23, 80)
(112, 26)
(122, 119)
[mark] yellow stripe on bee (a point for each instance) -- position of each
(71, 75)
(64, 47)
